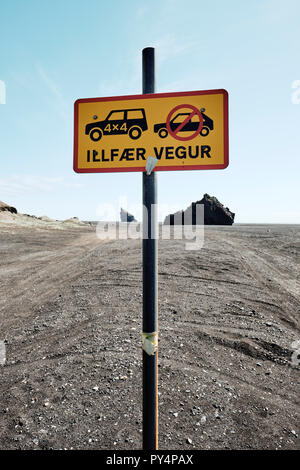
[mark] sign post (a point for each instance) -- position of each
(180, 131)
(150, 304)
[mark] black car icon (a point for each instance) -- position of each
(191, 125)
(119, 122)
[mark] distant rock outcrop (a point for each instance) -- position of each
(214, 213)
(6, 207)
(126, 217)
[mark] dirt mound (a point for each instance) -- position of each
(74, 221)
(6, 207)
(10, 219)
(46, 218)
(214, 213)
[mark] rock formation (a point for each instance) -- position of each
(6, 207)
(214, 213)
(126, 217)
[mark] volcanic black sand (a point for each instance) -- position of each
(70, 315)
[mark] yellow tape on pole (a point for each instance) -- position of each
(150, 343)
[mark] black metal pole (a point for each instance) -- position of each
(150, 306)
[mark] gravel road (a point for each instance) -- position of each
(70, 316)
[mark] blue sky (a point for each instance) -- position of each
(56, 51)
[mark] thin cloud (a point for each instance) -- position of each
(141, 12)
(52, 86)
(170, 46)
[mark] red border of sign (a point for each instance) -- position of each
(159, 168)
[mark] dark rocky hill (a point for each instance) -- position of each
(6, 207)
(214, 213)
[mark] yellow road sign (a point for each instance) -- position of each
(184, 131)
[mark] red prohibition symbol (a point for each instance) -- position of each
(194, 111)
